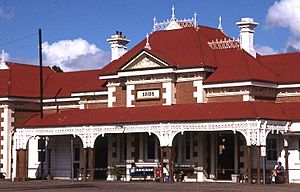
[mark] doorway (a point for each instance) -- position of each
(225, 156)
(101, 156)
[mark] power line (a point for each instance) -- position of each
(19, 39)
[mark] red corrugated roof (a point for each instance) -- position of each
(4, 79)
(22, 80)
(286, 66)
(63, 84)
(188, 48)
(181, 48)
(175, 113)
(234, 65)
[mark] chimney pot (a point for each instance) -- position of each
(118, 44)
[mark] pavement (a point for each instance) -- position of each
(116, 186)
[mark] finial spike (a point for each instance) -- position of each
(154, 24)
(173, 14)
(2, 57)
(147, 46)
(195, 19)
(2, 64)
(220, 24)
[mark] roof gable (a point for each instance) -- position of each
(236, 65)
(22, 80)
(286, 66)
(63, 84)
(144, 60)
(173, 25)
(181, 48)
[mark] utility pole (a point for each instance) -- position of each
(41, 73)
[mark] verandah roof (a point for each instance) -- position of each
(176, 113)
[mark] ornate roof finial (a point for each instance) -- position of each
(2, 57)
(2, 64)
(173, 14)
(220, 24)
(174, 23)
(195, 19)
(154, 24)
(147, 46)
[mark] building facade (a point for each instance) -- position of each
(187, 97)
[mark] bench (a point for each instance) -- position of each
(142, 174)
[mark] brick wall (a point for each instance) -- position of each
(237, 98)
(185, 93)
(95, 105)
(94, 102)
(120, 95)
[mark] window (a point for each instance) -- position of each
(151, 146)
(272, 149)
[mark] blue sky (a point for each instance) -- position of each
(85, 25)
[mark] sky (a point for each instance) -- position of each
(74, 32)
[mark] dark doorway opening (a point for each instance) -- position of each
(101, 155)
(225, 154)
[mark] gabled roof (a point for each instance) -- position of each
(4, 79)
(188, 48)
(23, 80)
(181, 48)
(286, 66)
(236, 65)
(63, 84)
(208, 112)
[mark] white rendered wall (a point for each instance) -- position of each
(111, 97)
(33, 163)
(295, 127)
(6, 142)
(169, 95)
(199, 93)
(129, 96)
(294, 160)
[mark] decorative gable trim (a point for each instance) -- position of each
(144, 60)
(3, 66)
(145, 63)
(173, 25)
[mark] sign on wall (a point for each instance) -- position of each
(149, 94)
(263, 151)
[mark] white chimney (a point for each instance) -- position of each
(118, 44)
(247, 26)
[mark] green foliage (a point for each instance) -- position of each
(114, 170)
